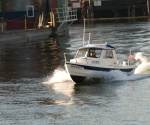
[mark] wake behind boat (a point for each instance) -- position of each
(94, 59)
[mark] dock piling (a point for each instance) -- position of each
(148, 7)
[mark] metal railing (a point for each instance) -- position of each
(65, 14)
(68, 57)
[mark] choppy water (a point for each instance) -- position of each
(35, 89)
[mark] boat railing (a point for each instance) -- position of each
(67, 56)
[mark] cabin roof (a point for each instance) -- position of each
(97, 46)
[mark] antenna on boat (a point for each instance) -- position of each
(89, 38)
(129, 57)
(84, 32)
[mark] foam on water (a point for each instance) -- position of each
(116, 75)
(60, 81)
(59, 75)
(144, 67)
(108, 76)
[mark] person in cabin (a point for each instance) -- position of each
(93, 54)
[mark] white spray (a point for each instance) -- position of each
(144, 67)
(60, 82)
(59, 75)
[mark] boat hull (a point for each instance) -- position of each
(79, 72)
(77, 79)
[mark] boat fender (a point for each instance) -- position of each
(125, 63)
(118, 63)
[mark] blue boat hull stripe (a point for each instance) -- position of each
(100, 68)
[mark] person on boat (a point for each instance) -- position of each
(93, 54)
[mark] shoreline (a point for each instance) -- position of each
(19, 36)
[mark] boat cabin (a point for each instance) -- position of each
(96, 54)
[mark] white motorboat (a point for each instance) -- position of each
(95, 59)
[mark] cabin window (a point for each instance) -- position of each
(81, 53)
(107, 54)
(94, 53)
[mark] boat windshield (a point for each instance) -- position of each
(81, 53)
(107, 54)
(94, 53)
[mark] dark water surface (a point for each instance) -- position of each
(36, 90)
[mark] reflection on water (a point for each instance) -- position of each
(33, 59)
(65, 88)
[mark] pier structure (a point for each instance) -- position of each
(114, 8)
(61, 17)
(60, 14)
(65, 12)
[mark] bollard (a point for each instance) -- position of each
(25, 21)
(52, 24)
(2, 27)
(2, 24)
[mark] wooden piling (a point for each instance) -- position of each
(148, 7)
